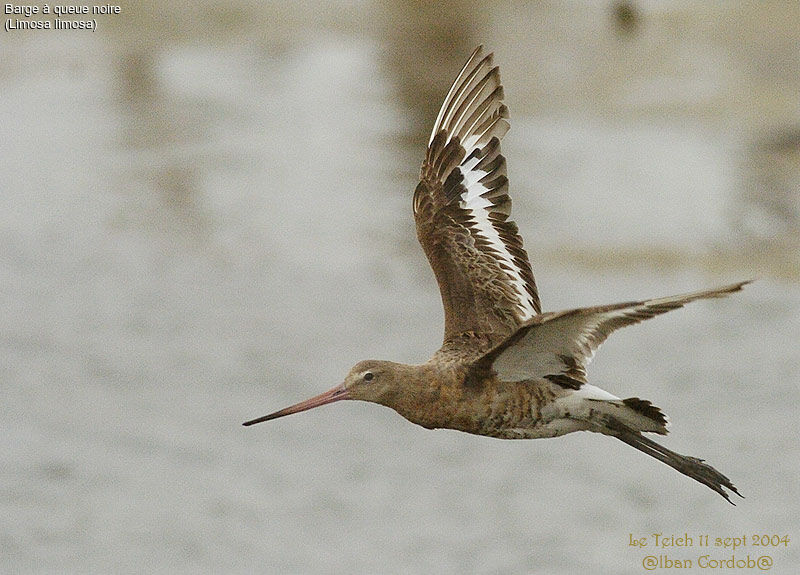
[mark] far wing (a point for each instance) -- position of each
(461, 208)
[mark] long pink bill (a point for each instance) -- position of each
(335, 394)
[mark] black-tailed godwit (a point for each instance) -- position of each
(505, 369)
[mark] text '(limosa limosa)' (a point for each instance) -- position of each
(505, 369)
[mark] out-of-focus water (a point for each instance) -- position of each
(205, 216)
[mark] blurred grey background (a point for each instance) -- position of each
(205, 215)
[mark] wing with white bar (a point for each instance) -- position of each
(462, 208)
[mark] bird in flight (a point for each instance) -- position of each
(505, 368)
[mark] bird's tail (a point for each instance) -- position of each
(692, 467)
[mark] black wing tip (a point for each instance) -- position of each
(738, 286)
(478, 58)
(478, 51)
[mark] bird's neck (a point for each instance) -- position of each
(435, 396)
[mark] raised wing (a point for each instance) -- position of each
(558, 346)
(461, 208)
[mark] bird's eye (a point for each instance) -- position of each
(369, 376)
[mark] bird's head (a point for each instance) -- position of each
(370, 380)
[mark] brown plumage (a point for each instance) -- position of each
(505, 369)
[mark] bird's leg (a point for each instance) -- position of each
(689, 466)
